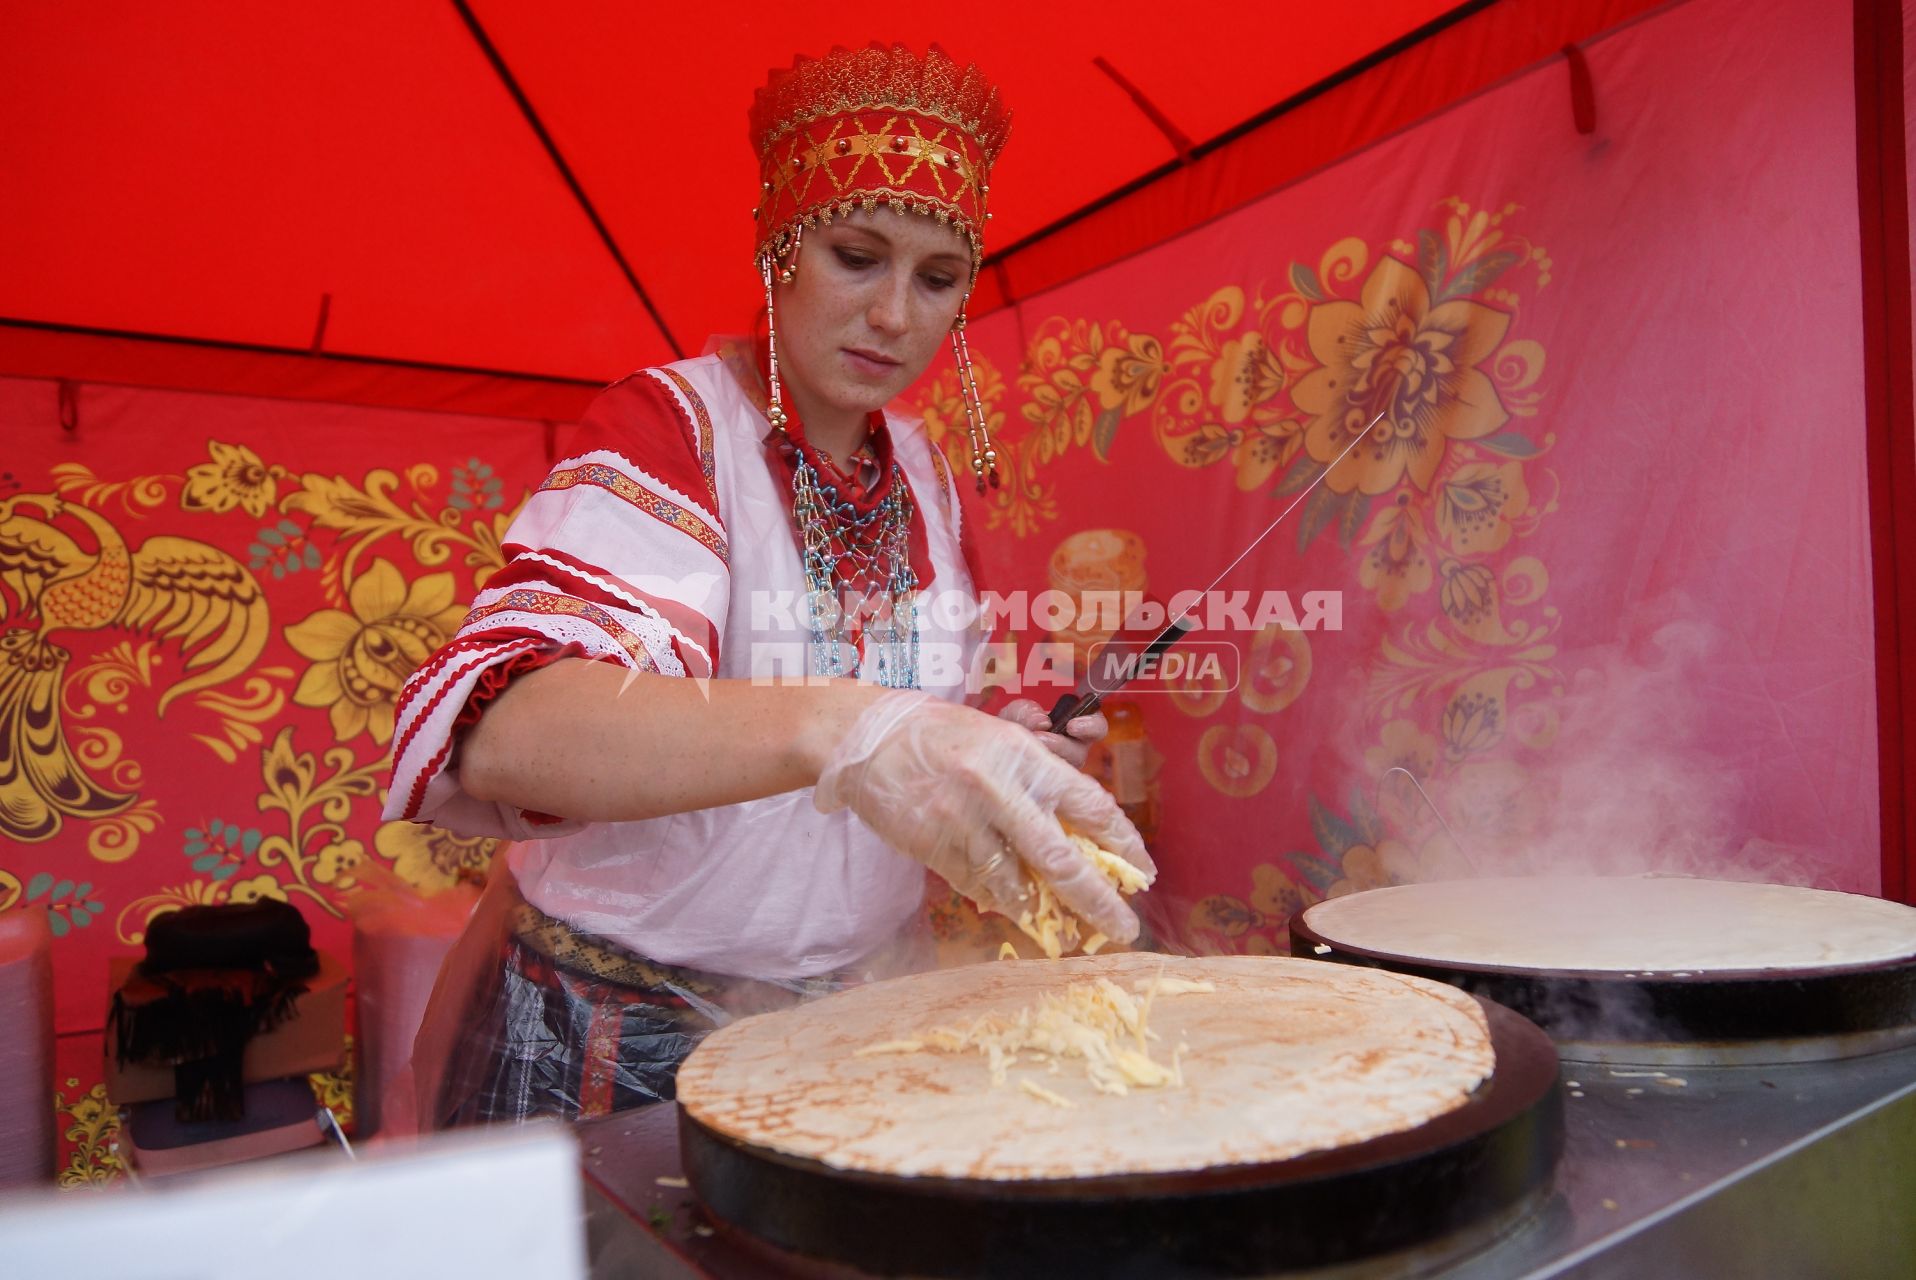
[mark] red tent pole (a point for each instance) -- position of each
(1883, 206)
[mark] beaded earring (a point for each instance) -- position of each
(984, 458)
(768, 268)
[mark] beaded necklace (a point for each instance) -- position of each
(859, 581)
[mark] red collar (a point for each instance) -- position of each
(782, 449)
(791, 444)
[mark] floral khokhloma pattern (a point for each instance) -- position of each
(174, 589)
(91, 1128)
(197, 672)
(360, 659)
(68, 566)
(1399, 375)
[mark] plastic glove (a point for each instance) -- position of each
(973, 797)
(1073, 745)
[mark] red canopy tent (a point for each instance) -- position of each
(549, 196)
(488, 210)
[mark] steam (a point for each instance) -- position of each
(1614, 774)
(1630, 787)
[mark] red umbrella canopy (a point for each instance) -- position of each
(370, 175)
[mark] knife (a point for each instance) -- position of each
(1111, 669)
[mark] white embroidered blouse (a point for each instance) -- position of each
(664, 542)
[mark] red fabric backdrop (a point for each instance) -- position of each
(1607, 593)
(287, 565)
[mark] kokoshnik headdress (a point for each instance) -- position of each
(863, 127)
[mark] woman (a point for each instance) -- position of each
(703, 827)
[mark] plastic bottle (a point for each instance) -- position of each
(1130, 754)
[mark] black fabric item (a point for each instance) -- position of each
(213, 978)
(266, 934)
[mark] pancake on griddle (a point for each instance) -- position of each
(1281, 1057)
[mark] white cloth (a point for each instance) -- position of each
(668, 546)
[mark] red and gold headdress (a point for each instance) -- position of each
(863, 127)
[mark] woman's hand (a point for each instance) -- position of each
(972, 797)
(1071, 746)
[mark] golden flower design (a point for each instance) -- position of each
(1469, 593)
(432, 858)
(360, 659)
(1402, 745)
(1060, 414)
(234, 478)
(1261, 448)
(93, 1125)
(1366, 866)
(1473, 720)
(1255, 451)
(1245, 376)
(1081, 379)
(1022, 500)
(1235, 414)
(1475, 503)
(1224, 915)
(1469, 596)
(1275, 895)
(256, 888)
(1393, 353)
(335, 861)
(1248, 928)
(1128, 375)
(1396, 567)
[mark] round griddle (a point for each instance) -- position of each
(1721, 1017)
(1472, 1169)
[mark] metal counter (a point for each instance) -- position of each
(1802, 1171)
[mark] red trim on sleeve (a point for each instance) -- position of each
(488, 688)
(584, 581)
(639, 419)
(481, 643)
(439, 757)
(493, 681)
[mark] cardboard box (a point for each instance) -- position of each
(281, 1116)
(313, 1038)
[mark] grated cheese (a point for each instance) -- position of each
(1097, 1023)
(1056, 930)
(1043, 1094)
